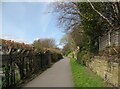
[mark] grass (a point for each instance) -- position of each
(83, 78)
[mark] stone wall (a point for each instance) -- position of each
(106, 70)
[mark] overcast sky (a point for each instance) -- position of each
(28, 21)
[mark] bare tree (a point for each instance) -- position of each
(68, 14)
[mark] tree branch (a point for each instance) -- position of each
(100, 14)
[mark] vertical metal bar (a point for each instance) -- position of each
(109, 38)
(11, 69)
(99, 44)
(1, 43)
(1, 70)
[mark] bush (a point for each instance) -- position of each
(83, 57)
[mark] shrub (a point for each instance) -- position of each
(83, 57)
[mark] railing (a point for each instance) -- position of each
(21, 61)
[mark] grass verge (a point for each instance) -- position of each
(83, 78)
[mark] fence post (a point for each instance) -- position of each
(109, 38)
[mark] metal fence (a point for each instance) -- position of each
(21, 61)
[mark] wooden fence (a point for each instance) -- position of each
(109, 39)
(21, 61)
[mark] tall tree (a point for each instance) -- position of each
(44, 43)
(86, 21)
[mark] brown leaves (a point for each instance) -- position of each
(15, 45)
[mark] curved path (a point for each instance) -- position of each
(59, 75)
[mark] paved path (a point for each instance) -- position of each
(59, 75)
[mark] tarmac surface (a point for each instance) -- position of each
(59, 75)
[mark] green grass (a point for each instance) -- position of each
(83, 78)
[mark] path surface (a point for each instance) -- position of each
(59, 75)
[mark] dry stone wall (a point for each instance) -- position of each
(109, 71)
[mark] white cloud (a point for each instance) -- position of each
(31, 0)
(36, 39)
(13, 32)
(12, 37)
(59, 0)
